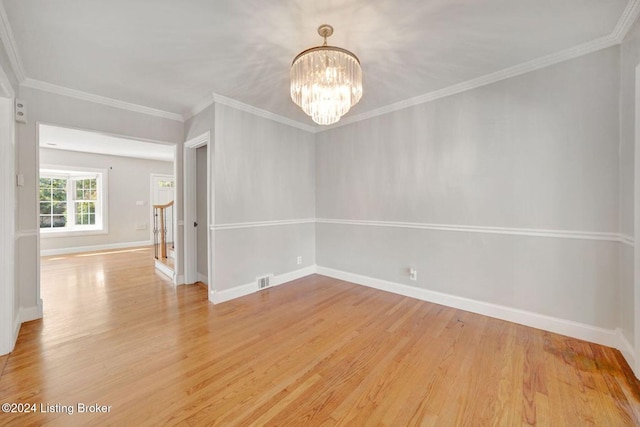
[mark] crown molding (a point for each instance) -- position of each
(198, 108)
(506, 73)
(98, 99)
(624, 24)
(229, 102)
(9, 43)
(627, 19)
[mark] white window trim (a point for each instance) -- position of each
(104, 201)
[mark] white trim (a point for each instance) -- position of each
(100, 132)
(165, 269)
(625, 347)
(16, 328)
(179, 279)
(636, 221)
(94, 248)
(218, 297)
(21, 234)
(10, 46)
(28, 314)
(565, 234)
(98, 99)
(199, 141)
(223, 100)
(190, 211)
(8, 276)
(198, 108)
(627, 240)
(506, 73)
(540, 321)
(533, 232)
(237, 225)
(626, 21)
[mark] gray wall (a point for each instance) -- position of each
(537, 151)
(44, 107)
(129, 182)
(629, 60)
(264, 171)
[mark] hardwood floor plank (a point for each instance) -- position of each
(314, 352)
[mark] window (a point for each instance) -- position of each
(72, 201)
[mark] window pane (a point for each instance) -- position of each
(59, 208)
(45, 207)
(84, 212)
(59, 221)
(45, 221)
(45, 193)
(59, 194)
(59, 183)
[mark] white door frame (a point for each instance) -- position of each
(190, 210)
(636, 214)
(9, 316)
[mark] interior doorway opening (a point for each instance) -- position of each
(163, 212)
(198, 212)
(95, 194)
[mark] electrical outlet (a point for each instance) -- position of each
(299, 260)
(141, 226)
(413, 274)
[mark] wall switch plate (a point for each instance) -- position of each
(20, 180)
(141, 226)
(413, 274)
(140, 203)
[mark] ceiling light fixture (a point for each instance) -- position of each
(326, 81)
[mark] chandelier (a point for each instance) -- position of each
(326, 81)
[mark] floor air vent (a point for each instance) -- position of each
(264, 282)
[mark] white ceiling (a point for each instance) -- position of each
(169, 55)
(60, 138)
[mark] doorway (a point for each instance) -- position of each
(93, 175)
(198, 214)
(163, 212)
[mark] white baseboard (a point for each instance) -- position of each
(540, 321)
(164, 269)
(16, 329)
(218, 297)
(627, 350)
(78, 249)
(28, 314)
(202, 278)
(179, 280)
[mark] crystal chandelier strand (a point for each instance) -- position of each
(326, 82)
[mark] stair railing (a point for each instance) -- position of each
(162, 215)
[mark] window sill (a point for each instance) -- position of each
(71, 233)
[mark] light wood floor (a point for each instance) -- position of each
(317, 351)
